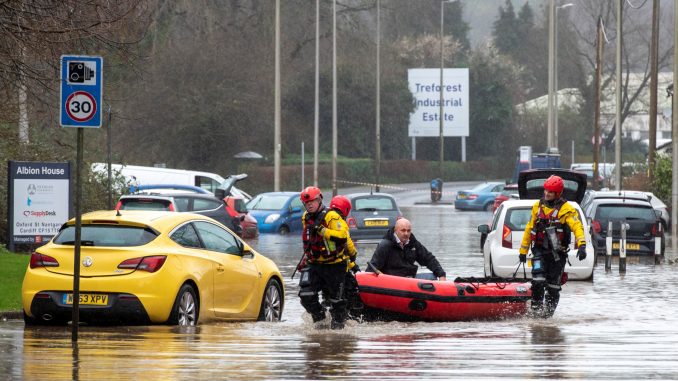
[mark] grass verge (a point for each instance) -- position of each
(12, 269)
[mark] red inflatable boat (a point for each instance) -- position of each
(387, 297)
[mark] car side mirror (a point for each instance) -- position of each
(247, 250)
(296, 209)
(484, 228)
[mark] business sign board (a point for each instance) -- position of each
(425, 87)
(81, 88)
(39, 200)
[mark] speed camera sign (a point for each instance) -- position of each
(81, 88)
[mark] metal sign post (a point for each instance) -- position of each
(81, 91)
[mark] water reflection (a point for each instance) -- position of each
(547, 342)
(328, 354)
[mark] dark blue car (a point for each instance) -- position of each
(277, 212)
(479, 198)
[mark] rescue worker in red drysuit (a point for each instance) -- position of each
(329, 253)
(548, 235)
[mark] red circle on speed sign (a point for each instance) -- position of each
(81, 106)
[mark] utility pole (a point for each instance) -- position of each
(654, 52)
(596, 123)
(377, 164)
(334, 98)
(674, 141)
(618, 100)
(276, 118)
(550, 135)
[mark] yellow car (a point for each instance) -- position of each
(141, 267)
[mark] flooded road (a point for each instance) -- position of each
(619, 327)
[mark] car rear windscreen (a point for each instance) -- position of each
(106, 235)
(516, 219)
(616, 212)
(144, 204)
(374, 203)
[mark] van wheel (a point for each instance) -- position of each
(185, 309)
(283, 230)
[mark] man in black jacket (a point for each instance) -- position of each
(399, 249)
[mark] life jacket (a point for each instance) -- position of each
(316, 247)
(543, 221)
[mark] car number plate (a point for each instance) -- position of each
(462, 196)
(91, 299)
(629, 246)
(376, 223)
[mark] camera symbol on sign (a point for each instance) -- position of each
(81, 72)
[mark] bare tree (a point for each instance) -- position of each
(35, 33)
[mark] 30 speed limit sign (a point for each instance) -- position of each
(81, 106)
(81, 88)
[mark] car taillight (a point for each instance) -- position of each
(352, 223)
(506, 238)
(654, 231)
(472, 196)
(118, 206)
(41, 260)
(596, 226)
(150, 264)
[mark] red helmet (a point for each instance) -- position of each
(341, 204)
(310, 194)
(554, 184)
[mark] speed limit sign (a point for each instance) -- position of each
(81, 106)
(81, 88)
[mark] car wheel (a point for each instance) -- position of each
(272, 302)
(284, 230)
(29, 320)
(488, 207)
(185, 309)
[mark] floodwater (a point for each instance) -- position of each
(619, 327)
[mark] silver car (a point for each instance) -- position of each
(372, 214)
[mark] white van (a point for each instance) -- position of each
(139, 175)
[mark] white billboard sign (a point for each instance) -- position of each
(39, 200)
(425, 87)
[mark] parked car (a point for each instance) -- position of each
(199, 203)
(504, 235)
(372, 214)
(151, 267)
(237, 208)
(479, 198)
(277, 212)
(243, 224)
(643, 233)
(656, 203)
(510, 191)
(500, 252)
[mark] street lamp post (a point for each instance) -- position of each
(555, 71)
(378, 103)
(442, 100)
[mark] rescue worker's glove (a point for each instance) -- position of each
(581, 253)
(302, 264)
(320, 230)
(522, 258)
(355, 268)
